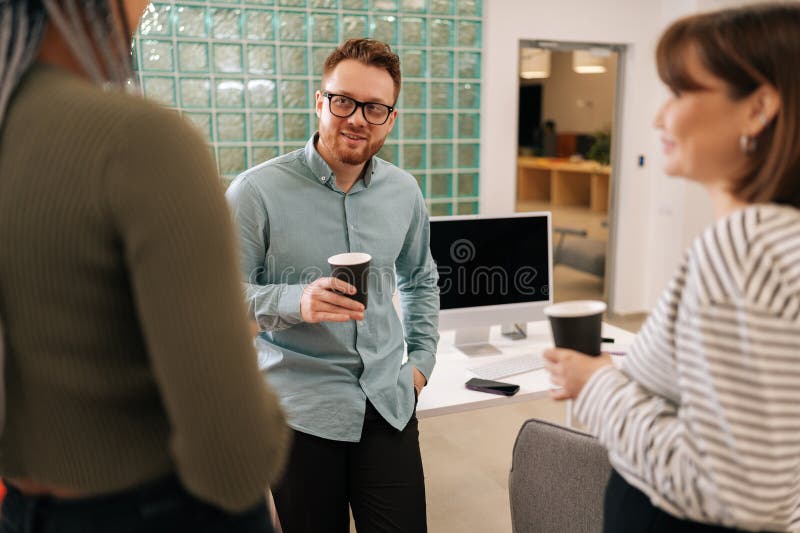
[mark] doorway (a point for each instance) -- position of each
(567, 128)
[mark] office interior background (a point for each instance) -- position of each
(244, 72)
(566, 115)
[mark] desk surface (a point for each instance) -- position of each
(447, 394)
(549, 163)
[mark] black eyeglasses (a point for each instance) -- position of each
(343, 107)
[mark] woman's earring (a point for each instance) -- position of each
(747, 144)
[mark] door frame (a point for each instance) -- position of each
(621, 50)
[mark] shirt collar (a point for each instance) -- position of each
(322, 171)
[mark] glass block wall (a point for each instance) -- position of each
(245, 72)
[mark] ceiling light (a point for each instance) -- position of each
(534, 63)
(592, 61)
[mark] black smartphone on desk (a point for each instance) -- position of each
(492, 387)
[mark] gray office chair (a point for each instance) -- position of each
(575, 250)
(557, 480)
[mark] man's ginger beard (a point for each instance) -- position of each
(335, 145)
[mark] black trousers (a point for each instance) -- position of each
(628, 510)
(380, 478)
(162, 506)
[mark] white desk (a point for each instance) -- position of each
(447, 394)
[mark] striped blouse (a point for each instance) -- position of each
(704, 414)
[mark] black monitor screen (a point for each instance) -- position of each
(491, 261)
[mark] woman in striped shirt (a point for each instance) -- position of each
(702, 421)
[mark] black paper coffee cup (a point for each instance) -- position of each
(352, 267)
(576, 325)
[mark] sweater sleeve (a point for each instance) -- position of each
(726, 451)
(228, 434)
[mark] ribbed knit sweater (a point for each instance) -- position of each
(704, 416)
(127, 349)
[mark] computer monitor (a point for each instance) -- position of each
(492, 270)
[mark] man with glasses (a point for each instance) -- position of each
(339, 368)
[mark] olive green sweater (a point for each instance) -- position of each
(128, 354)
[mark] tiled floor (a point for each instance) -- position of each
(467, 458)
(593, 222)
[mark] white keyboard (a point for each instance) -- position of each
(509, 367)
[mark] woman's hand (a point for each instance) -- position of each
(570, 370)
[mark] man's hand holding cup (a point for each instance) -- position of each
(325, 300)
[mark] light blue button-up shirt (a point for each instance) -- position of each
(291, 217)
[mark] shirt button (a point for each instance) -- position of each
(361, 323)
(323, 179)
(352, 226)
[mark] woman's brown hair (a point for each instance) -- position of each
(746, 48)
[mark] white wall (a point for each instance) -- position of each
(657, 216)
(565, 90)
(679, 209)
(708, 5)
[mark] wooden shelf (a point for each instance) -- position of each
(562, 183)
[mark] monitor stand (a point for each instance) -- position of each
(475, 342)
(515, 331)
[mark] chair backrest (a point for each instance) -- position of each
(557, 480)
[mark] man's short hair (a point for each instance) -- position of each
(367, 52)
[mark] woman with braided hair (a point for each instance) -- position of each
(130, 388)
